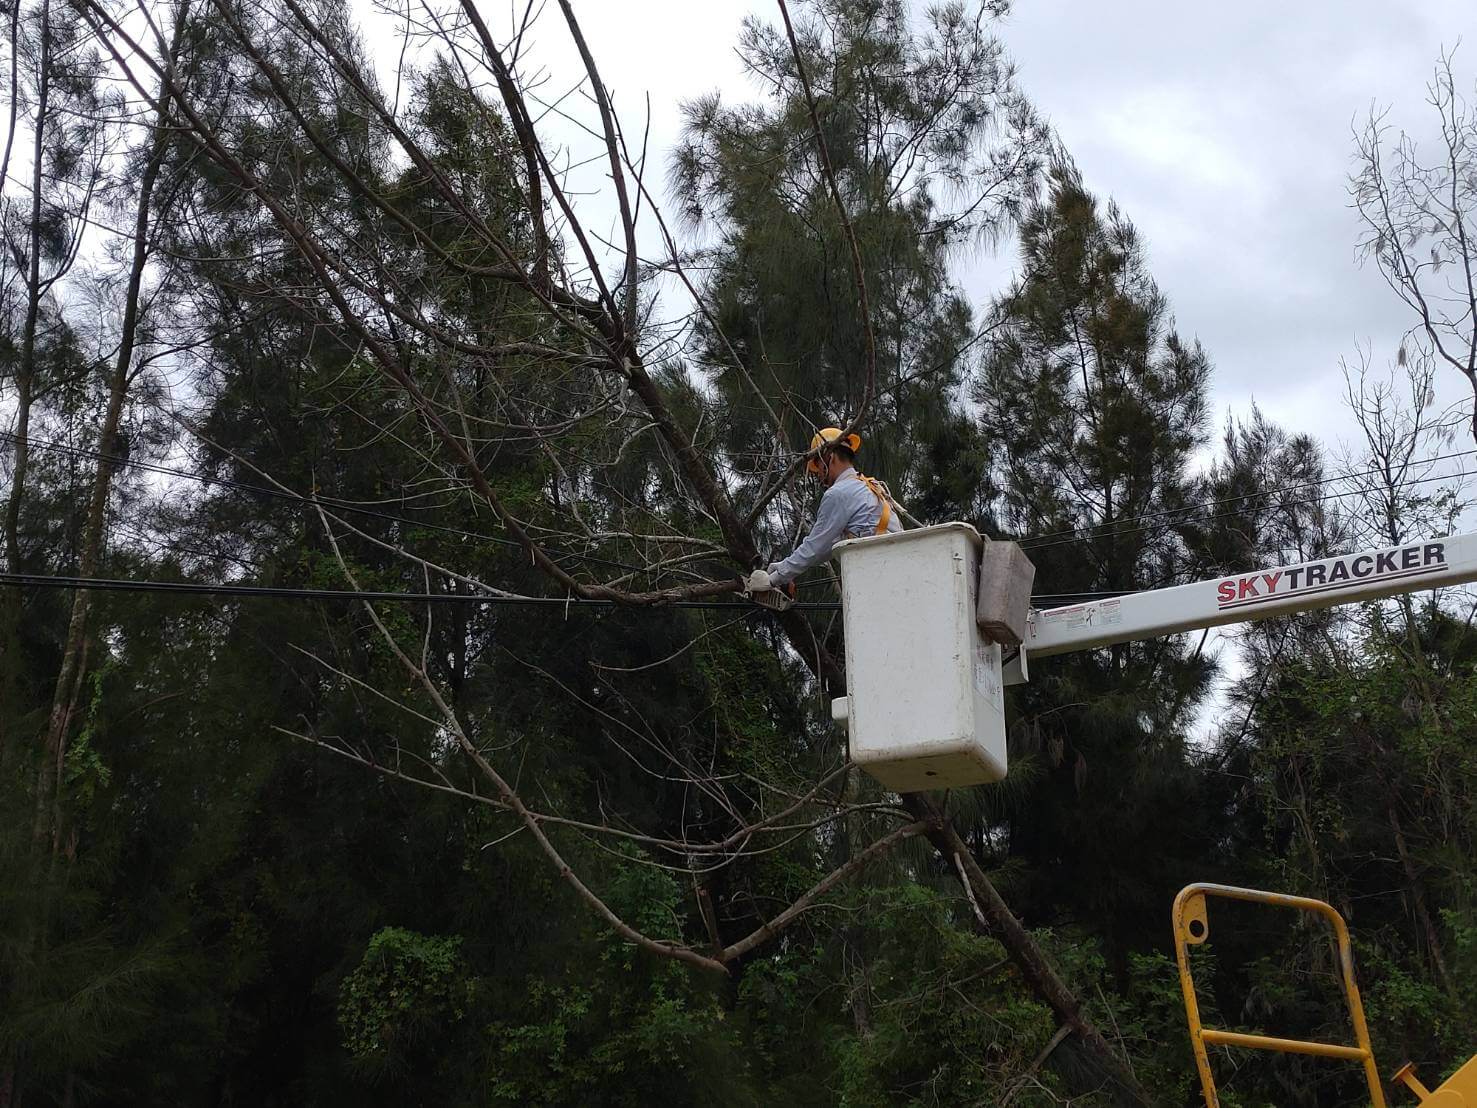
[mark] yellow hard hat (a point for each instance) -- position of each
(826, 436)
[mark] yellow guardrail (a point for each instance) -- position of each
(1192, 927)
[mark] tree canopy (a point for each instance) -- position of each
(411, 741)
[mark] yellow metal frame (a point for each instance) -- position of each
(1192, 927)
(1457, 1091)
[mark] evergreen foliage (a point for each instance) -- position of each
(223, 886)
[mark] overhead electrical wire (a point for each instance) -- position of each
(349, 506)
(1055, 538)
(104, 584)
(1029, 544)
(335, 503)
(1067, 537)
(1112, 528)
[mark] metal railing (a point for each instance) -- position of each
(1192, 927)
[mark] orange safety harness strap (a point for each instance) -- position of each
(880, 492)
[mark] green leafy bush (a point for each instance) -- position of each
(407, 986)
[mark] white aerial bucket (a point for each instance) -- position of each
(925, 706)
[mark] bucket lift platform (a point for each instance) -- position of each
(925, 705)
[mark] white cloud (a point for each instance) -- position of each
(1224, 133)
(1170, 134)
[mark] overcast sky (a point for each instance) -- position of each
(1223, 131)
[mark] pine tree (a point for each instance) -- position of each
(1094, 408)
(935, 150)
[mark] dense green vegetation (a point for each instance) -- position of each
(269, 322)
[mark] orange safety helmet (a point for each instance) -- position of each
(826, 436)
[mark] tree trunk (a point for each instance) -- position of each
(1418, 902)
(861, 993)
(996, 920)
(70, 675)
(26, 370)
(11, 606)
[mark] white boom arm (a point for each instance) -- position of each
(925, 708)
(1368, 575)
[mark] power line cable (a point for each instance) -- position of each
(333, 502)
(103, 584)
(201, 588)
(1111, 528)
(1029, 545)
(292, 497)
(1055, 538)
(1071, 535)
(1036, 544)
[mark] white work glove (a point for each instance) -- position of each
(758, 581)
(762, 590)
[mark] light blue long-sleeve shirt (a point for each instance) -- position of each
(848, 509)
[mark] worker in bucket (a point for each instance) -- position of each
(852, 506)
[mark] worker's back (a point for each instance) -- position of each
(860, 502)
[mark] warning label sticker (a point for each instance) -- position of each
(1103, 613)
(987, 671)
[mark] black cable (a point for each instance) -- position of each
(1074, 535)
(1038, 542)
(292, 497)
(1027, 544)
(103, 584)
(342, 505)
